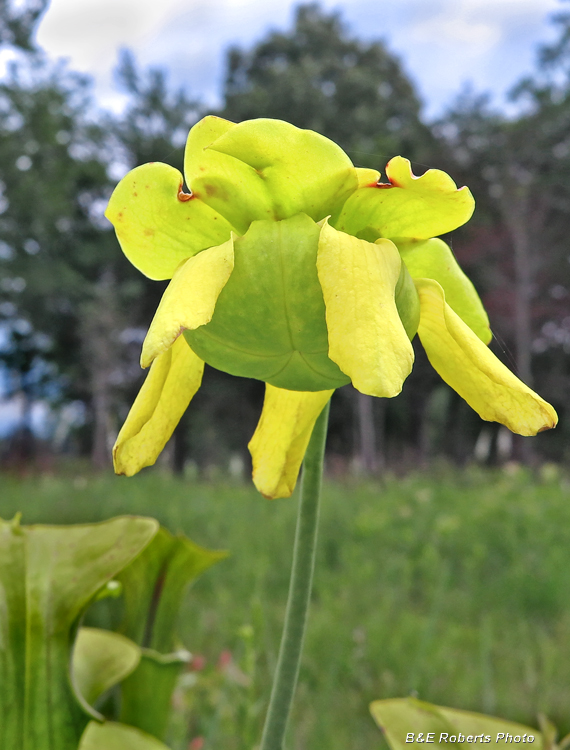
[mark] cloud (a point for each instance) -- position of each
(90, 31)
(442, 42)
(479, 24)
(187, 37)
(473, 38)
(489, 43)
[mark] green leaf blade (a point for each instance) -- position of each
(153, 585)
(147, 693)
(113, 736)
(48, 576)
(400, 717)
(101, 659)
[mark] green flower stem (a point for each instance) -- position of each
(300, 587)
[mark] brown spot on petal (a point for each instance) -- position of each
(182, 196)
(148, 232)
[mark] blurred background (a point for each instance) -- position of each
(88, 91)
(443, 565)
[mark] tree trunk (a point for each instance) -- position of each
(520, 235)
(180, 451)
(101, 407)
(100, 350)
(524, 217)
(367, 433)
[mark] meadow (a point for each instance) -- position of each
(450, 585)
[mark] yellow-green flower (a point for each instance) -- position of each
(290, 265)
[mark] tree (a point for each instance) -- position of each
(54, 186)
(519, 171)
(155, 122)
(18, 22)
(61, 270)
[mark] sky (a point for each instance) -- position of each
(444, 44)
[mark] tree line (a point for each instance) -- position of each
(73, 312)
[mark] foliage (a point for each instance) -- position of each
(18, 21)
(407, 719)
(153, 587)
(156, 121)
(49, 575)
(516, 246)
(101, 659)
(69, 309)
(53, 183)
(452, 585)
(113, 736)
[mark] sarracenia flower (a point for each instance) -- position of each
(290, 265)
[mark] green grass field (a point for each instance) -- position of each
(455, 586)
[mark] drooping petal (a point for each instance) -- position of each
(408, 207)
(433, 259)
(471, 369)
(266, 169)
(279, 443)
(157, 225)
(174, 378)
(366, 337)
(189, 299)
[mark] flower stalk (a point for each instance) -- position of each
(300, 587)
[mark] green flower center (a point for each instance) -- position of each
(269, 321)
